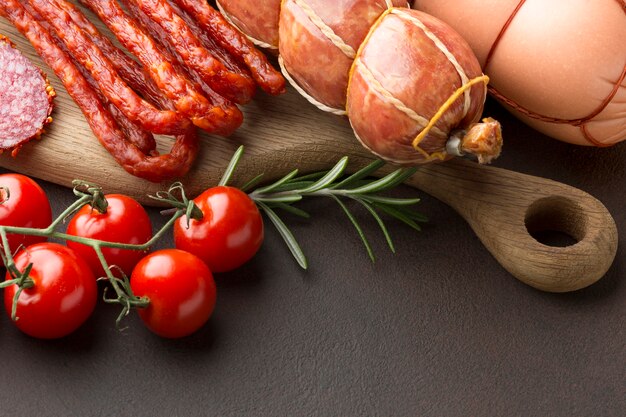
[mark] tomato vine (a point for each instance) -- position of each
(187, 213)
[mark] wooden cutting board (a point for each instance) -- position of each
(284, 133)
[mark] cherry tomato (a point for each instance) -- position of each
(125, 221)
(64, 294)
(25, 205)
(228, 235)
(181, 291)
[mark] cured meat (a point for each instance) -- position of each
(236, 87)
(143, 139)
(187, 99)
(185, 75)
(257, 19)
(421, 100)
(232, 116)
(130, 71)
(110, 83)
(209, 43)
(235, 42)
(26, 98)
(153, 168)
(325, 34)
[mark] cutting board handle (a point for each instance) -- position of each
(504, 208)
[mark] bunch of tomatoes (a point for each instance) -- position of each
(176, 285)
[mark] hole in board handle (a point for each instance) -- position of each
(556, 221)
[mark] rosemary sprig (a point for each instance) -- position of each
(291, 188)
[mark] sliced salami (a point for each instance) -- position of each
(26, 98)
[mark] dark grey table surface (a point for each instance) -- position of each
(438, 329)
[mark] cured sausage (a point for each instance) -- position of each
(232, 115)
(234, 86)
(110, 83)
(134, 75)
(210, 44)
(26, 98)
(257, 19)
(143, 139)
(235, 42)
(186, 98)
(108, 132)
(388, 110)
(316, 34)
(130, 70)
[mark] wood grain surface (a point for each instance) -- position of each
(286, 132)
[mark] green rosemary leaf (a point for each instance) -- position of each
(286, 198)
(286, 234)
(391, 200)
(418, 217)
(252, 183)
(387, 182)
(356, 225)
(405, 175)
(291, 186)
(329, 178)
(232, 165)
(313, 176)
(412, 214)
(291, 209)
(380, 223)
(360, 174)
(400, 215)
(272, 187)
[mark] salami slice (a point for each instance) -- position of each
(26, 98)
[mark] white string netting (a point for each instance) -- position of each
(255, 41)
(310, 99)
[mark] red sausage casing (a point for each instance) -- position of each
(407, 68)
(256, 19)
(318, 40)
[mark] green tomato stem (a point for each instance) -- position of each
(47, 232)
(124, 294)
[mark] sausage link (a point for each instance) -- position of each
(233, 116)
(142, 139)
(109, 82)
(130, 70)
(234, 86)
(209, 43)
(236, 43)
(153, 168)
(187, 100)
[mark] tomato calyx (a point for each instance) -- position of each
(191, 210)
(84, 189)
(124, 296)
(21, 279)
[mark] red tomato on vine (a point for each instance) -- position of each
(63, 294)
(125, 221)
(180, 290)
(229, 233)
(23, 203)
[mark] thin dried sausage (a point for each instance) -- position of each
(130, 70)
(186, 98)
(210, 44)
(234, 86)
(270, 80)
(232, 115)
(152, 168)
(109, 82)
(142, 139)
